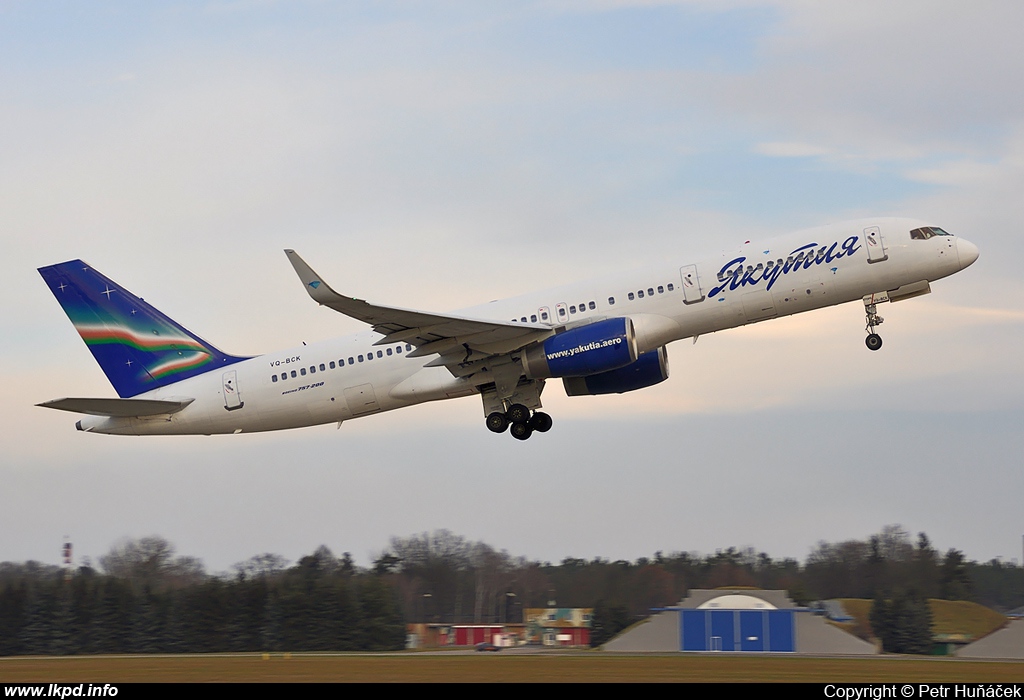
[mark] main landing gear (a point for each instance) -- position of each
(518, 421)
(873, 341)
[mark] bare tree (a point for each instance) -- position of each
(150, 561)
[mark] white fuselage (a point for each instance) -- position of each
(265, 396)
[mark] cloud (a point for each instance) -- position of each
(785, 149)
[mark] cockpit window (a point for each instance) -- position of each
(926, 232)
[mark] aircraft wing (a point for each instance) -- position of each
(457, 339)
(120, 408)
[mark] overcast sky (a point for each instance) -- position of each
(441, 154)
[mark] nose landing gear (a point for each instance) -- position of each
(873, 341)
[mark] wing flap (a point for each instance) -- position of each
(118, 408)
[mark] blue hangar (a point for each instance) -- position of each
(738, 620)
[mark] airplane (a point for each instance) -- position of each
(602, 336)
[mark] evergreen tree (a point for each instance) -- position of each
(956, 583)
(880, 618)
(607, 621)
(381, 627)
(903, 624)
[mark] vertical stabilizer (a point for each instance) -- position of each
(138, 347)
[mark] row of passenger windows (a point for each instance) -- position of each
(591, 305)
(799, 260)
(561, 308)
(323, 367)
(650, 292)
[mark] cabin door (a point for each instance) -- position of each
(875, 244)
(562, 312)
(229, 387)
(692, 293)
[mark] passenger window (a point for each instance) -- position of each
(369, 356)
(670, 286)
(533, 318)
(544, 315)
(661, 290)
(650, 291)
(389, 352)
(572, 309)
(332, 364)
(284, 375)
(303, 371)
(640, 294)
(380, 353)
(312, 370)
(322, 367)
(399, 349)
(360, 358)
(561, 311)
(591, 306)
(523, 319)
(352, 360)
(273, 378)
(293, 374)
(408, 347)
(611, 301)
(631, 297)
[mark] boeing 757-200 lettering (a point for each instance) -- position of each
(599, 337)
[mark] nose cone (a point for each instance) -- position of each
(966, 251)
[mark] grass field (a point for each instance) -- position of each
(948, 617)
(584, 667)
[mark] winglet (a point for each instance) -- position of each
(317, 289)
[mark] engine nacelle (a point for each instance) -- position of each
(591, 349)
(650, 368)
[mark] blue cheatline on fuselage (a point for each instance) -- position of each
(138, 347)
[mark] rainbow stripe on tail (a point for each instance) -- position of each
(138, 347)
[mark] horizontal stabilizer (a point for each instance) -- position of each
(118, 408)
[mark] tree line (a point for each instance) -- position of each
(142, 597)
(145, 600)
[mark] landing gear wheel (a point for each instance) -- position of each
(873, 341)
(497, 422)
(541, 422)
(518, 413)
(521, 431)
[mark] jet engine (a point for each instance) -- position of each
(649, 369)
(578, 352)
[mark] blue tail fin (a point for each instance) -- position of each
(138, 348)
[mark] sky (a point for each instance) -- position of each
(437, 155)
